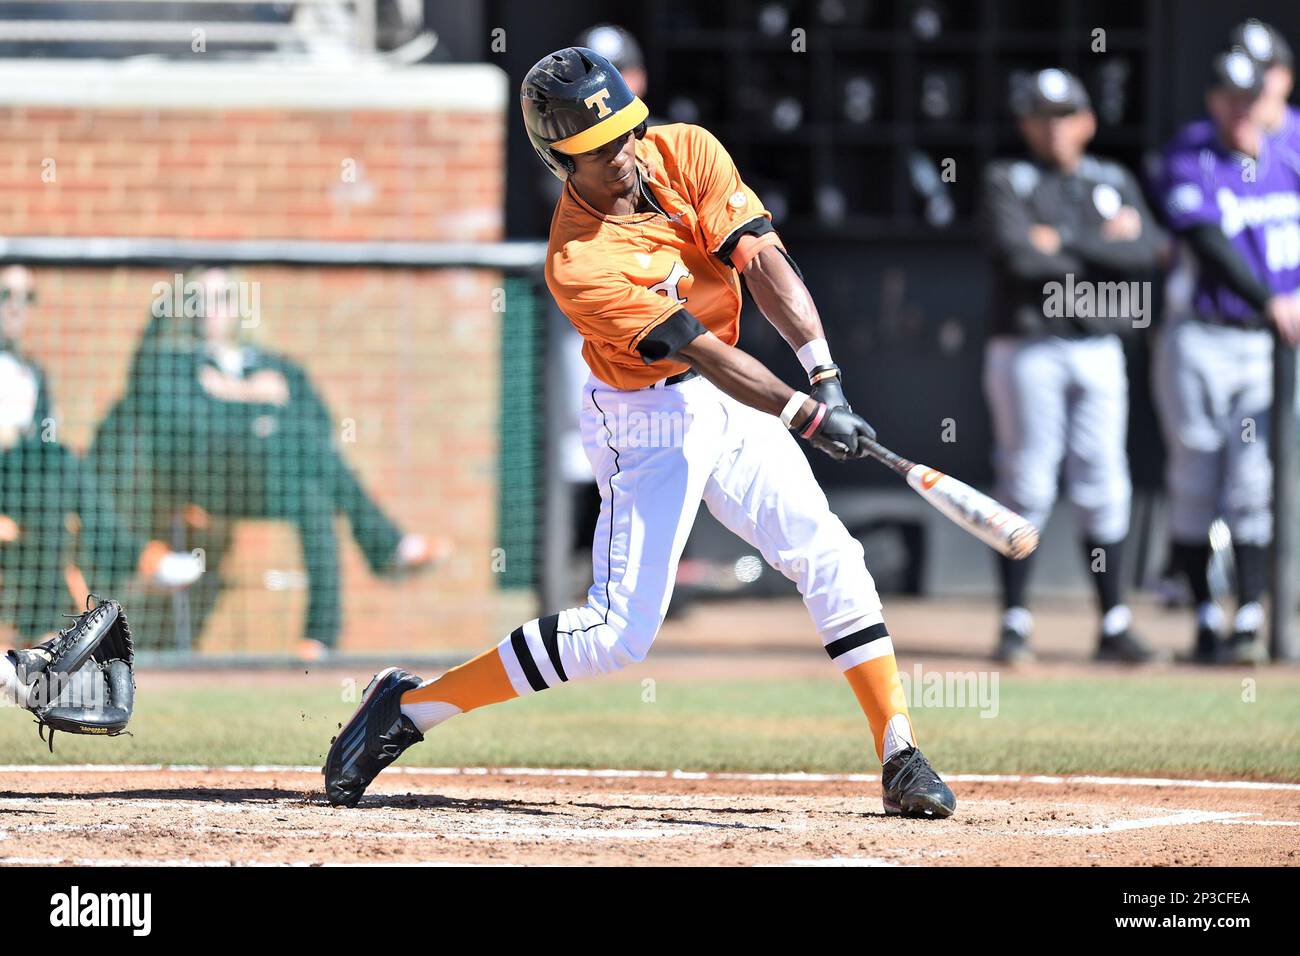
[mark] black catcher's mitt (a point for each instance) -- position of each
(81, 680)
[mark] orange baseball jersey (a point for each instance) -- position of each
(617, 277)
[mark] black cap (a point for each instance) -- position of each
(574, 101)
(1049, 93)
(614, 44)
(1262, 42)
(1236, 71)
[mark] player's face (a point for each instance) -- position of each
(17, 292)
(608, 172)
(1278, 82)
(219, 318)
(1235, 115)
(1059, 140)
(634, 77)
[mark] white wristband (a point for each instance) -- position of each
(792, 408)
(814, 353)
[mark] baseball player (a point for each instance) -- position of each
(1232, 197)
(648, 242)
(1054, 377)
(1274, 113)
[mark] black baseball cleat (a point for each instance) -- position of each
(376, 735)
(913, 789)
(1208, 646)
(1127, 647)
(1013, 647)
(1245, 647)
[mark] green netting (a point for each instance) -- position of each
(519, 483)
(294, 429)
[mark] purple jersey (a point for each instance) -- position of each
(1289, 134)
(1258, 210)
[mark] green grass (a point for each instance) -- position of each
(1124, 724)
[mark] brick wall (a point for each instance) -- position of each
(395, 351)
(241, 173)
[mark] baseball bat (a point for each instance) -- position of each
(993, 523)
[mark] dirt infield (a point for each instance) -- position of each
(259, 816)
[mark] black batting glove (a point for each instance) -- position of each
(837, 431)
(826, 386)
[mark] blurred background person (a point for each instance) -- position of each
(60, 533)
(1232, 196)
(1055, 380)
(1268, 48)
(222, 430)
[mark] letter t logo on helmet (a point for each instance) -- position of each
(574, 101)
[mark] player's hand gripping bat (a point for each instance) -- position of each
(996, 525)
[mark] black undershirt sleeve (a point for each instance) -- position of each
(758, 226)
(670, 336)
(1216, 253)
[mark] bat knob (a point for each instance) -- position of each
(1022, 542)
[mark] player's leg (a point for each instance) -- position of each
(1025, 384)
(1100, 489)
(764, 490)
(1247, 489)
(1192, 402)
(652, 452)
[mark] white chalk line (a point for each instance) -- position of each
(1175, 819)
(1264, 823)
(796, 777)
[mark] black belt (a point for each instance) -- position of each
(686, 376)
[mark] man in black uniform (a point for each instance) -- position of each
(1067, 232)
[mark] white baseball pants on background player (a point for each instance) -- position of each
(1214, 393)
(657, 453)
(1055, 400)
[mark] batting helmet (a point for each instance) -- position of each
(574, 101)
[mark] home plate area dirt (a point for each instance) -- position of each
(277, 816)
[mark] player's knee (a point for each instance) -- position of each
(831, 548)
(1104, 514)
(1031, 497)
(1190, 520)
(620, 644)
(1250, 523)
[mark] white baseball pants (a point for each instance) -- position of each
(1055, 400)
(657, 453)
(1214, 393)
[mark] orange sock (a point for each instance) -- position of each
(880, 694)
(475, 683)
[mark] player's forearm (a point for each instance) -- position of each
(783, 298)
(740, 375)
(1216, 253)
